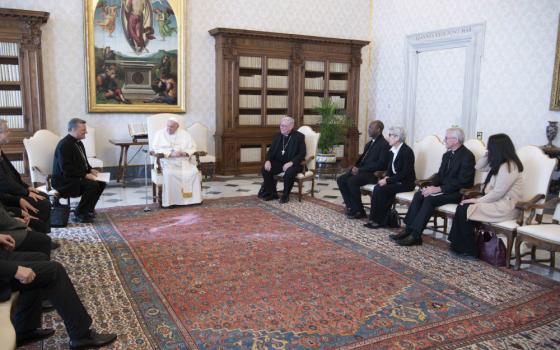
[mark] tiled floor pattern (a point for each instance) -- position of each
(136, 193)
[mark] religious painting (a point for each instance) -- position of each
(135, 55)
(555, 96)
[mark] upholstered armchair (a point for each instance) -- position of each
(207, 162)
(308, 172)
(537, 235)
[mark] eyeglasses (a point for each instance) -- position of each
(393, 135)
(449, 138)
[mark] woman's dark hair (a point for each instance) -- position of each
(500, 151)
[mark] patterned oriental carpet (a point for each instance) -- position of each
(240, 273)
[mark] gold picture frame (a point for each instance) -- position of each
(135, 57)
(555, 95)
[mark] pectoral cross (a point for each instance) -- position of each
(283, 152)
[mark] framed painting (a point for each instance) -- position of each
(555, 95)
(135, 55)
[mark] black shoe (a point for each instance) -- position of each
(93, 340)
(92, 214)
(33, 336)
(284, 200)
(83, 219)
(373, 225)
(55, 245)
(46, 306)
(410, 240)
(357, 215)
(398, 236)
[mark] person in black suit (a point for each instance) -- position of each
(374, 158)
(34, 277)
(284, 155)
(400, 177)
(20, 198)
(455, 172)
(73, 176)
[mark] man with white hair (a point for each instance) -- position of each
(455, 172)
(284, 155)
(181, 178)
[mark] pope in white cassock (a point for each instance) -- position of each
(182, 181)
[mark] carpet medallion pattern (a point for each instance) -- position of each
(241, 273)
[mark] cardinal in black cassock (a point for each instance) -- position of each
(284, 155)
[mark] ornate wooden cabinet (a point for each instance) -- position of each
(21, 79)
(262, 76)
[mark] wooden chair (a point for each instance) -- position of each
(308, 173)
(207, 163)
(537, 235)
(40, 150)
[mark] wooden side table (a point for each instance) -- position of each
(123, 158)
(328, 170)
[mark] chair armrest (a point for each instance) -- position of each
(158, 157)
(425, 182)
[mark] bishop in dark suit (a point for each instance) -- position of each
(284, 155)
(455, 172)
(73, 176)
(400, 177)
(374, 158)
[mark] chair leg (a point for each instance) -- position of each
(509, 248)
(300, 185)
(154, 198)
(552, 259)
(160, 190)
(517, 254)
(313, 187)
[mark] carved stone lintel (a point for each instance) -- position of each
(31, 37)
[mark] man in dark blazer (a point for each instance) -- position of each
(73, 176)
(374, 158)
(35, 277)
(19, 197)
(284, 155)
(455, 172)
(400, 177)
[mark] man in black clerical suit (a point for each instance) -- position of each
(374, 158)
(73, 176)
(455, 172)
(284, 155)
(35, 277)
(18, 197)
(400, 177)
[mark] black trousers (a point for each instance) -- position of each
(289, 178)
(383, 198)
(462, 234)
(90, 191)
(36, 242)
(349, 186)
(52, 282)
(422, 208)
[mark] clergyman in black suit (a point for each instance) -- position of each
(73, 176)
(456, 171)
(400, 177)
(18, 197)
(374, 158)
(284, 155)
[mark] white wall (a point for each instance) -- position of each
(517, 65)
(64, 54)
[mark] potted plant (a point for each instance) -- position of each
(334, 126)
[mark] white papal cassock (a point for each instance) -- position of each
(182, 181)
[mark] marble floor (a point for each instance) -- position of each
(136, 193)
